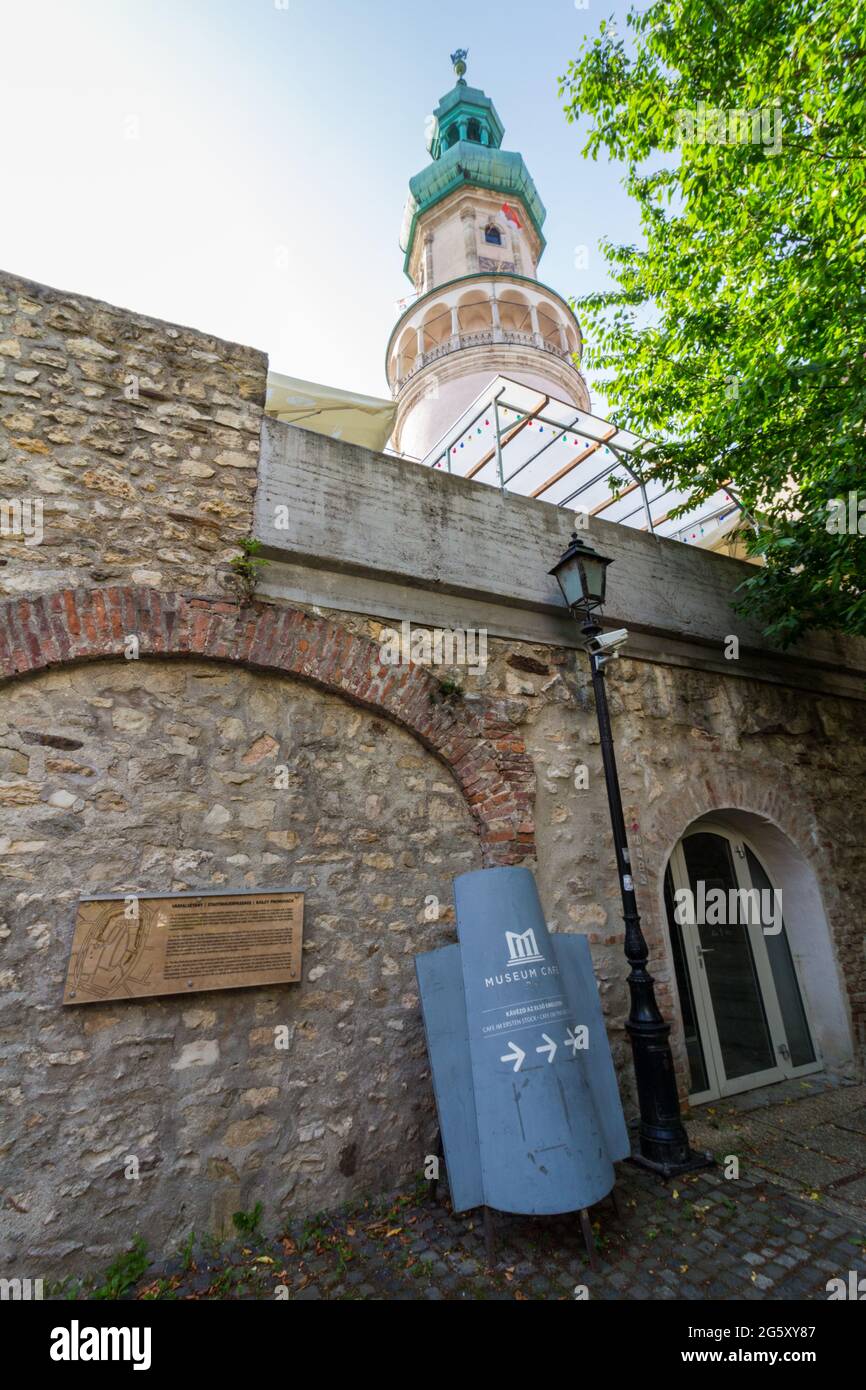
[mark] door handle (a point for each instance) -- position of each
(704, 951)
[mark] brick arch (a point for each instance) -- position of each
(474, 740)
(663, 824)
(729, 789)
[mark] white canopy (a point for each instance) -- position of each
(365, 420)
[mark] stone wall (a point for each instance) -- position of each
(690, 744)
(141, 439)
(780, 765)
(155, 776)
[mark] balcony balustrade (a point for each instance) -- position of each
(481, 338)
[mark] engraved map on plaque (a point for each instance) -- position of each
(136, 946)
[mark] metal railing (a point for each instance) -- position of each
(482, 338)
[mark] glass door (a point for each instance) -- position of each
(742, 1007)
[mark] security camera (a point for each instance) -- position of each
(606, 645)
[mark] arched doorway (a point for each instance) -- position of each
(743, 1003)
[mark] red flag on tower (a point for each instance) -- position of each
(508, 215)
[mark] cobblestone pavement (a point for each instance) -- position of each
(806, 1136)
(704, 1237)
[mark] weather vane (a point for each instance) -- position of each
(458, 58)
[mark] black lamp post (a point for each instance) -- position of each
(664, 1146)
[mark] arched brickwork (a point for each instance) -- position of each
(473, 739)
(726, 787)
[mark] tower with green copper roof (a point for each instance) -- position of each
(472, 239)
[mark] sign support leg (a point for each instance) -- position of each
(440, 1160)
(588, 1239)
(489, 1237)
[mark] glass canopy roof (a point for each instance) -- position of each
(525, 442)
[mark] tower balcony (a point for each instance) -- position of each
(481, 338)
(495, 311)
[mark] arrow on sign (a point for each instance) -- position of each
(549, 1048)
(516, 1055)
(572, 1041)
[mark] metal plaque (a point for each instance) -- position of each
(526, 1092)
(137, 946)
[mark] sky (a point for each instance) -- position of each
(240, 166)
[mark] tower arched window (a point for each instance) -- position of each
(473, 132)
(452, 137)
(492, 235)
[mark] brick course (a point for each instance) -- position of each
(496, 776)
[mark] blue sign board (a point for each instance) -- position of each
(528, 1104)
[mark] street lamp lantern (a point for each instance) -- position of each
(581, 574)
(663, 1144)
